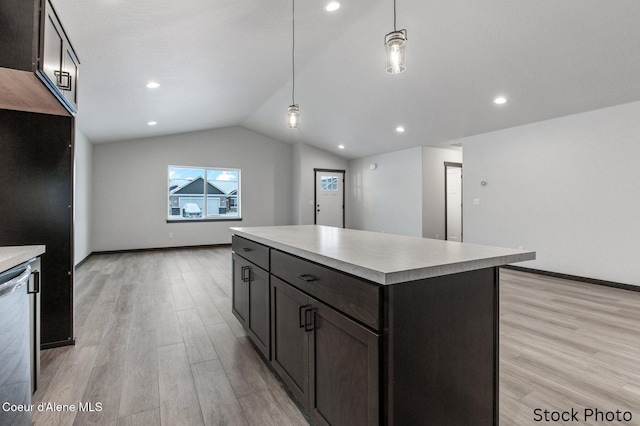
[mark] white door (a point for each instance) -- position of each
(329, 199)
(454, 203)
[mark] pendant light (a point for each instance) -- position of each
(395, 42)
(294, 109)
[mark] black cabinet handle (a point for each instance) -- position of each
(246, 273)
(245, 249)
(309, 319)
(302, 322)
(63, 80)
(307, 278)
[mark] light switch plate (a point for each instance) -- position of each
(476, 201)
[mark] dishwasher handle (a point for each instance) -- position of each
(36, 283)
(15, 283)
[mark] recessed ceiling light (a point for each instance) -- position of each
(153, 85)
(400, 129)
(152, 123)
(341, 146)
(500, 100)
(333, 6)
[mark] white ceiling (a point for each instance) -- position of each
(228, 62)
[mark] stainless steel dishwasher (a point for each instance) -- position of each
(15, 346)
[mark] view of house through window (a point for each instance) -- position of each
(203, 193)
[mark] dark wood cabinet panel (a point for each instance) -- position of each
(329, 362)
(355, 353)
(250, 302)
(36, 167)
(240, 295)
(19, 24)
(259, 308)
(58, 64)
(33, 39)
(290, 340)
(442, 349)
(355, 297)
(344, 370)
(252, 251)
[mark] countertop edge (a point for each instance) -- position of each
(11, 256)
(391, 277)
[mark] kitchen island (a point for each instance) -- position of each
(367, 328)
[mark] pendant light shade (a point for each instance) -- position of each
(395, 43)
(292, 117)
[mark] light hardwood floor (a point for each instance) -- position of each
(157, 345)
(567, 345)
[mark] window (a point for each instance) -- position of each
(329, 183)
(203, 193)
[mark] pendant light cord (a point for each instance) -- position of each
(293, 56)
(394, 16)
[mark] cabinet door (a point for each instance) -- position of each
(250, 302)
(70, 66)
(344, 370)
(53, 46)
(258, 324)
(240, 296)
(290, 342)
(59, 62)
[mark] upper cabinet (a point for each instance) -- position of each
(33, 39)
(58, 64)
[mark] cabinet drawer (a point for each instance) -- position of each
(252, 251)
(356, 298)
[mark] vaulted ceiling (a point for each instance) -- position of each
(228, 62)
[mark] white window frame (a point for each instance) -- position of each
(205, 218)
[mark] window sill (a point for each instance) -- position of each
(236, 219)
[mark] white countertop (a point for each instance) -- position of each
(381, 258)
(11, 256)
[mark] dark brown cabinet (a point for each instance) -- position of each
(37, 142)
(329, 362)
(32, 39)
(58, 63)
(290, 339)
(353, 352)
(250, 302)
(36, 208)
(343, 370)
(19, 34)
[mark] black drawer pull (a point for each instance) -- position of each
(307, 278)
(301, 321)
(247, 249)
(246, 273)
(310, 323)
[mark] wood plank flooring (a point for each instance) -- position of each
(568, 345)
(157, 345)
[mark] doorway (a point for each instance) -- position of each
(453, 201)
(329, 197)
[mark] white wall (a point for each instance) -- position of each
(567, 188)
(130, 187)
(82, 197)
(433, 190)
(305, 159)
(389, 198)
